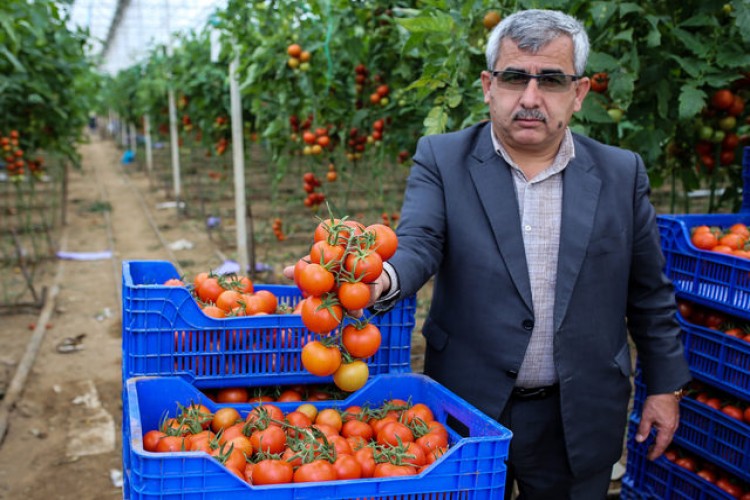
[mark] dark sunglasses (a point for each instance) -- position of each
(518, 80)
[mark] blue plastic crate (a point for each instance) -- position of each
(716, 280)
(720, 360)
(165, 333)
(708, 432)
(661, 478)
(473, 468)
(628, 490)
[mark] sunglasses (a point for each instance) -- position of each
(518, 80)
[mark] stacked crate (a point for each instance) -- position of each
(714, 440)
(172, 352)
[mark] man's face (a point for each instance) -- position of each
(530, 119)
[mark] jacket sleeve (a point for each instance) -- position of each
(651, 300)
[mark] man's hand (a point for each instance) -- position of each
(661, 411)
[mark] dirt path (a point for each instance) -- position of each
(64, 434)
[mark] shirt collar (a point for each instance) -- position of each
(564, 155)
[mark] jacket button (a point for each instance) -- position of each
(512, 373)
(528, 324)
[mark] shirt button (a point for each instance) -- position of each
(528, 325)
(527, 228)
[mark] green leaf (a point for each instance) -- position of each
(653, 38)
(628, 8)
(701, 20)
(733, 56)
(435, 121)
(625, 36)
(599, 61)
(439, 22)
(12, 59)
(743, 19)
(692, 101)
(693, 67)
(593, 111)
(691, 42)
(601, 12)
(621, 86)
(453, 97)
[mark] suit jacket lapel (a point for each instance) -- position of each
(494, 184)
(580, 200)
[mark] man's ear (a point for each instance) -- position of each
(486, 78)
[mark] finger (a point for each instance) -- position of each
(355, 313)
(288, 272)
(644, 428)
(662, 441)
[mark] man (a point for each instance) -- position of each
(545, 253)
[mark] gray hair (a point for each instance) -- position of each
(533, 29)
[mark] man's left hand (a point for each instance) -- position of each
(661, 411)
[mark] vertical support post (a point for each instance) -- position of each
(147, 138)
(238, 161)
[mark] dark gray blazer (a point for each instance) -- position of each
(460, 222)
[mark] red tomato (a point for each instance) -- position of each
(419, 411)
(231, 395)
(415, 454)
(271, 471)
(319, 316)
(268, 301)
(708, 475)
(394, 433)
(151, 439)
(353, 295)
(733, 412)
(687, 463)
(316, 280)
(210, 290)
(325, 253)
(318, 470)
(361, 341)
(319, 359)
(366, 458)
(347, 467)
(170, 444)
(731, 488)
(386, 241)
(387, 469)
(330, 416)
(599, 82)
(365, 266)
(224, 417)
(265, 414)
(357, 428)
(269, 440)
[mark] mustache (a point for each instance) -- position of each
(530, 114)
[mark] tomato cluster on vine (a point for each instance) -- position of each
(232, 295)
(270, 446)
(717, 137)
(314, 198)
(15, 162)
(334, 279)
(278, 230)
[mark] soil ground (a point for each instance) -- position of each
(64, 434)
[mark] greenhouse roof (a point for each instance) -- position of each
(123, 31)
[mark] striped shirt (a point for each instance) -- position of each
(540, 210)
